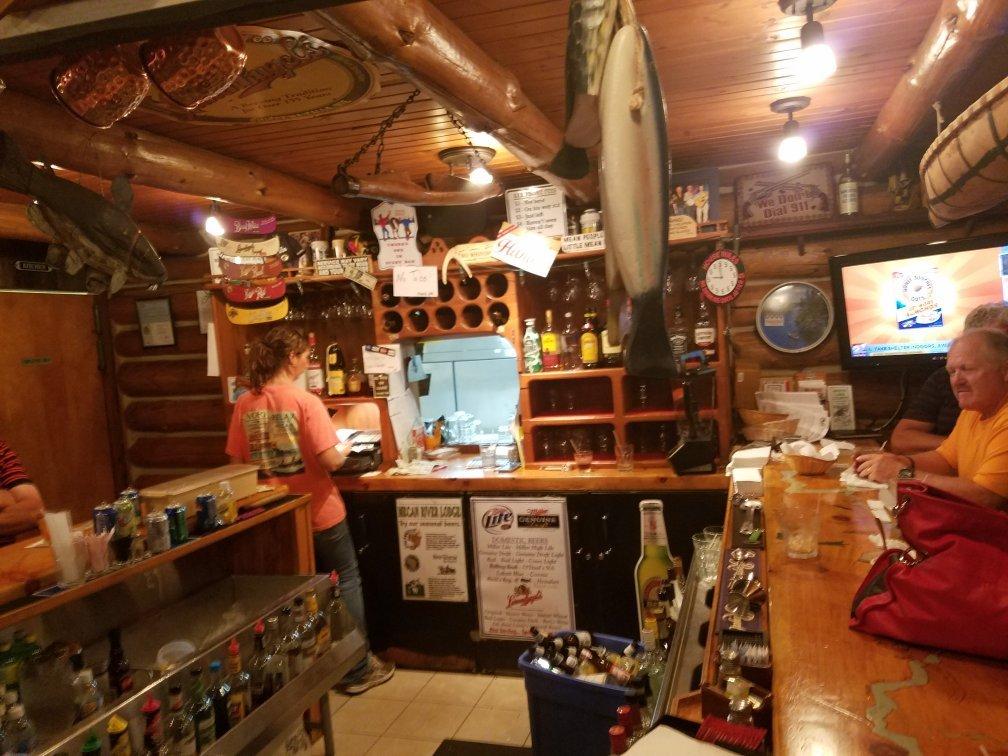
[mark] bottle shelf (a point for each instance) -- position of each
(592, 419)
(559, 375)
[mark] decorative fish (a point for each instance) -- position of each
(89, 233)
(589, 32)
(635, 187)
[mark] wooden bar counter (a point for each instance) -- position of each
(837, 691)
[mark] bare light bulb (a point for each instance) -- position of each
(480, 176)
(816, 61)
(213, 226)
(792, 148)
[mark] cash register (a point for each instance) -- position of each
(365, 454)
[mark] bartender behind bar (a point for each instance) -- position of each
(21, 504)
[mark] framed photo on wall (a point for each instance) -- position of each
(695, 194)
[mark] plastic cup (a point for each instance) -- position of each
(624, 458)
(800, 520)
(488, 457)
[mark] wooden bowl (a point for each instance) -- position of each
(770, 431)
(755, 417)
(808, 465)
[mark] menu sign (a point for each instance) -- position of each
(522, 565)
(541, 209)
(432, 560)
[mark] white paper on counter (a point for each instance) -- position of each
(664, 740)
(414, 281)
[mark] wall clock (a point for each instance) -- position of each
(723, 276)
(794, 317)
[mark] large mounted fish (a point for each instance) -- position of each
(635, 187)
(89, 233)
(589, 33)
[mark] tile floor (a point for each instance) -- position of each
(414, 711)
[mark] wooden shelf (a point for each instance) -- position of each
(340, 401)
(592, 419)
(558, 375)
(838, 225)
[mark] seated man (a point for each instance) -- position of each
(933, 413)
(972, 462)
(20, 501)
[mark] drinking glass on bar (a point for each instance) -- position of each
(800, 519)
(583, 459)
(624, 457)
(488, 457)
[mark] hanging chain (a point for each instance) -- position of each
(378, 138)
(457, 123)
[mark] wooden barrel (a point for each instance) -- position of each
(965, 170)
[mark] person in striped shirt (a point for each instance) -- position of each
(21, 504)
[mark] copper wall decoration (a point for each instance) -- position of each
(194, 68)
(101, 86)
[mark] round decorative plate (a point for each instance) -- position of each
(794, 317)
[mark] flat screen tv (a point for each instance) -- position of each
(901, 307)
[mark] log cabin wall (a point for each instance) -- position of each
(173, 420)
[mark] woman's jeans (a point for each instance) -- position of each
(334, 550)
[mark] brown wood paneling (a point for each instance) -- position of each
(178, 451)
(750, 347)
(175, 415)
(188, 340)
(122, 309)
(166, 378)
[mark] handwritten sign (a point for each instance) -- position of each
(395, 225)
(523, 574)
(381, 359)
(583, 242)
(414, 281)
(786, 196)
(526, 250)
(541, 209)
(432, 560)
(264, 248)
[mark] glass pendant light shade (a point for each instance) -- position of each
(480, 176)
(792, 147)
(816, 62)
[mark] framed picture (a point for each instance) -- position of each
(786, 196)
(696, 194)
(155, 320)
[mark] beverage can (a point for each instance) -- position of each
(126, 518)
(158, 533)
(178, 529)
(104, 518)
(206, 515)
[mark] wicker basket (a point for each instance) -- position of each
(752, 417)
(778, 429)
(808, 465)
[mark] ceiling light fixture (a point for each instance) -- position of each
(212, 224)
(793, 146)
(816, 61)
(471, 161)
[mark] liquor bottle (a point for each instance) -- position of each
(239, 697)
(704, 334)
(678, 335)
(290, 644)
(277, 673)
(550, 339)
(218, 692)
(307, 630)
(355, 380)
(120, 676)
(847, 192)
(323, 631)
(578, 639)
(87, 697)
(612, 354)
(531, 348)
(335, 370)
(153, 739)
(589, 341)
(260, 680)
(202, 709)
(181, 732)
(120, 743)
(569, 343)
(654, 562)
(341, 622)
(316, 381)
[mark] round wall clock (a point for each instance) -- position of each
(723, 276)
(794, 317)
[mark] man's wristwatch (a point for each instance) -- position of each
(907, 472)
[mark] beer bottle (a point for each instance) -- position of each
(306, 629)
(341, 622)
(181, 732)
(323, 632)
(202, 710)
(219, 692)
(261, 682)
(654, 562)
(589, 341)
(153, 740)
(291, 643)
(276, 672)
(120, 676)
(578, 639)
(335, 370)
(239, 696)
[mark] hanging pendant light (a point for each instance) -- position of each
(816, 61)
(793, 146)
(471, 163)
(212, 225)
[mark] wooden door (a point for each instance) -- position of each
(53, 397)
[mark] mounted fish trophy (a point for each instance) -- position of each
(89, 233)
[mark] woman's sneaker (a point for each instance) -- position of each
(377, 672)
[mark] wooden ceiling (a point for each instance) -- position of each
(721, 64)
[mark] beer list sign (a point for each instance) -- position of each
(432, 560)
(522, 565)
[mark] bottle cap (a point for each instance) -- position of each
(259, 628)
(151, 705)
(624, 715)
(215, 665)
(233, 647)
(92, 745)
(647, 637)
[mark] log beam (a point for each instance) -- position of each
(167, 240)
(49, 133)
(426, 48)
(954, 41)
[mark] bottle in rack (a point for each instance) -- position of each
(316, 381)
(341, 622)
(181, 731)
(355, 379)
(277, 671)
(307, 631)
(119, 674)
(704, 333)
(847, 191)
(290, 622)
(589, 341)
(569, 343)
(153, 738)
(550, 339)
(531, 348)
(260, 679)
(87, 697)
(678, 334)
(320, 621)
(655, 562)
(219, 692)
(202, 710)
(239, 696)
(335, 370)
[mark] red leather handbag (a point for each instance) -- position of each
(950, 588)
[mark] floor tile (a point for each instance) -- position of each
(454, 688)
(504, 693)
(404, 686)
(495, 726)
(348, 744)
(336, 700)
(387, 746)
(428, 720)
(361, 716)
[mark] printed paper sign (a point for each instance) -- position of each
(474, 252)
(584, 242)
(432, 560)
(381, 359)
(541, 209)
(522, 565)
(253, 226)
(526, 250)
(395, 225)
(414, 281)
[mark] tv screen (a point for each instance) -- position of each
(901, 307)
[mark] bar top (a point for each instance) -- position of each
(455, 477)
(837, 691)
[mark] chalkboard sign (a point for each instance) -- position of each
(537, 208)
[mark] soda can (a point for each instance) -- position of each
(134, 496)
(104, 518)
(178, 530)
(158, 533)
(126, 518)
(206, 514)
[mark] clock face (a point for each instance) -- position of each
(722, 277)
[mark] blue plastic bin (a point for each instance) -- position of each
(568, 715)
